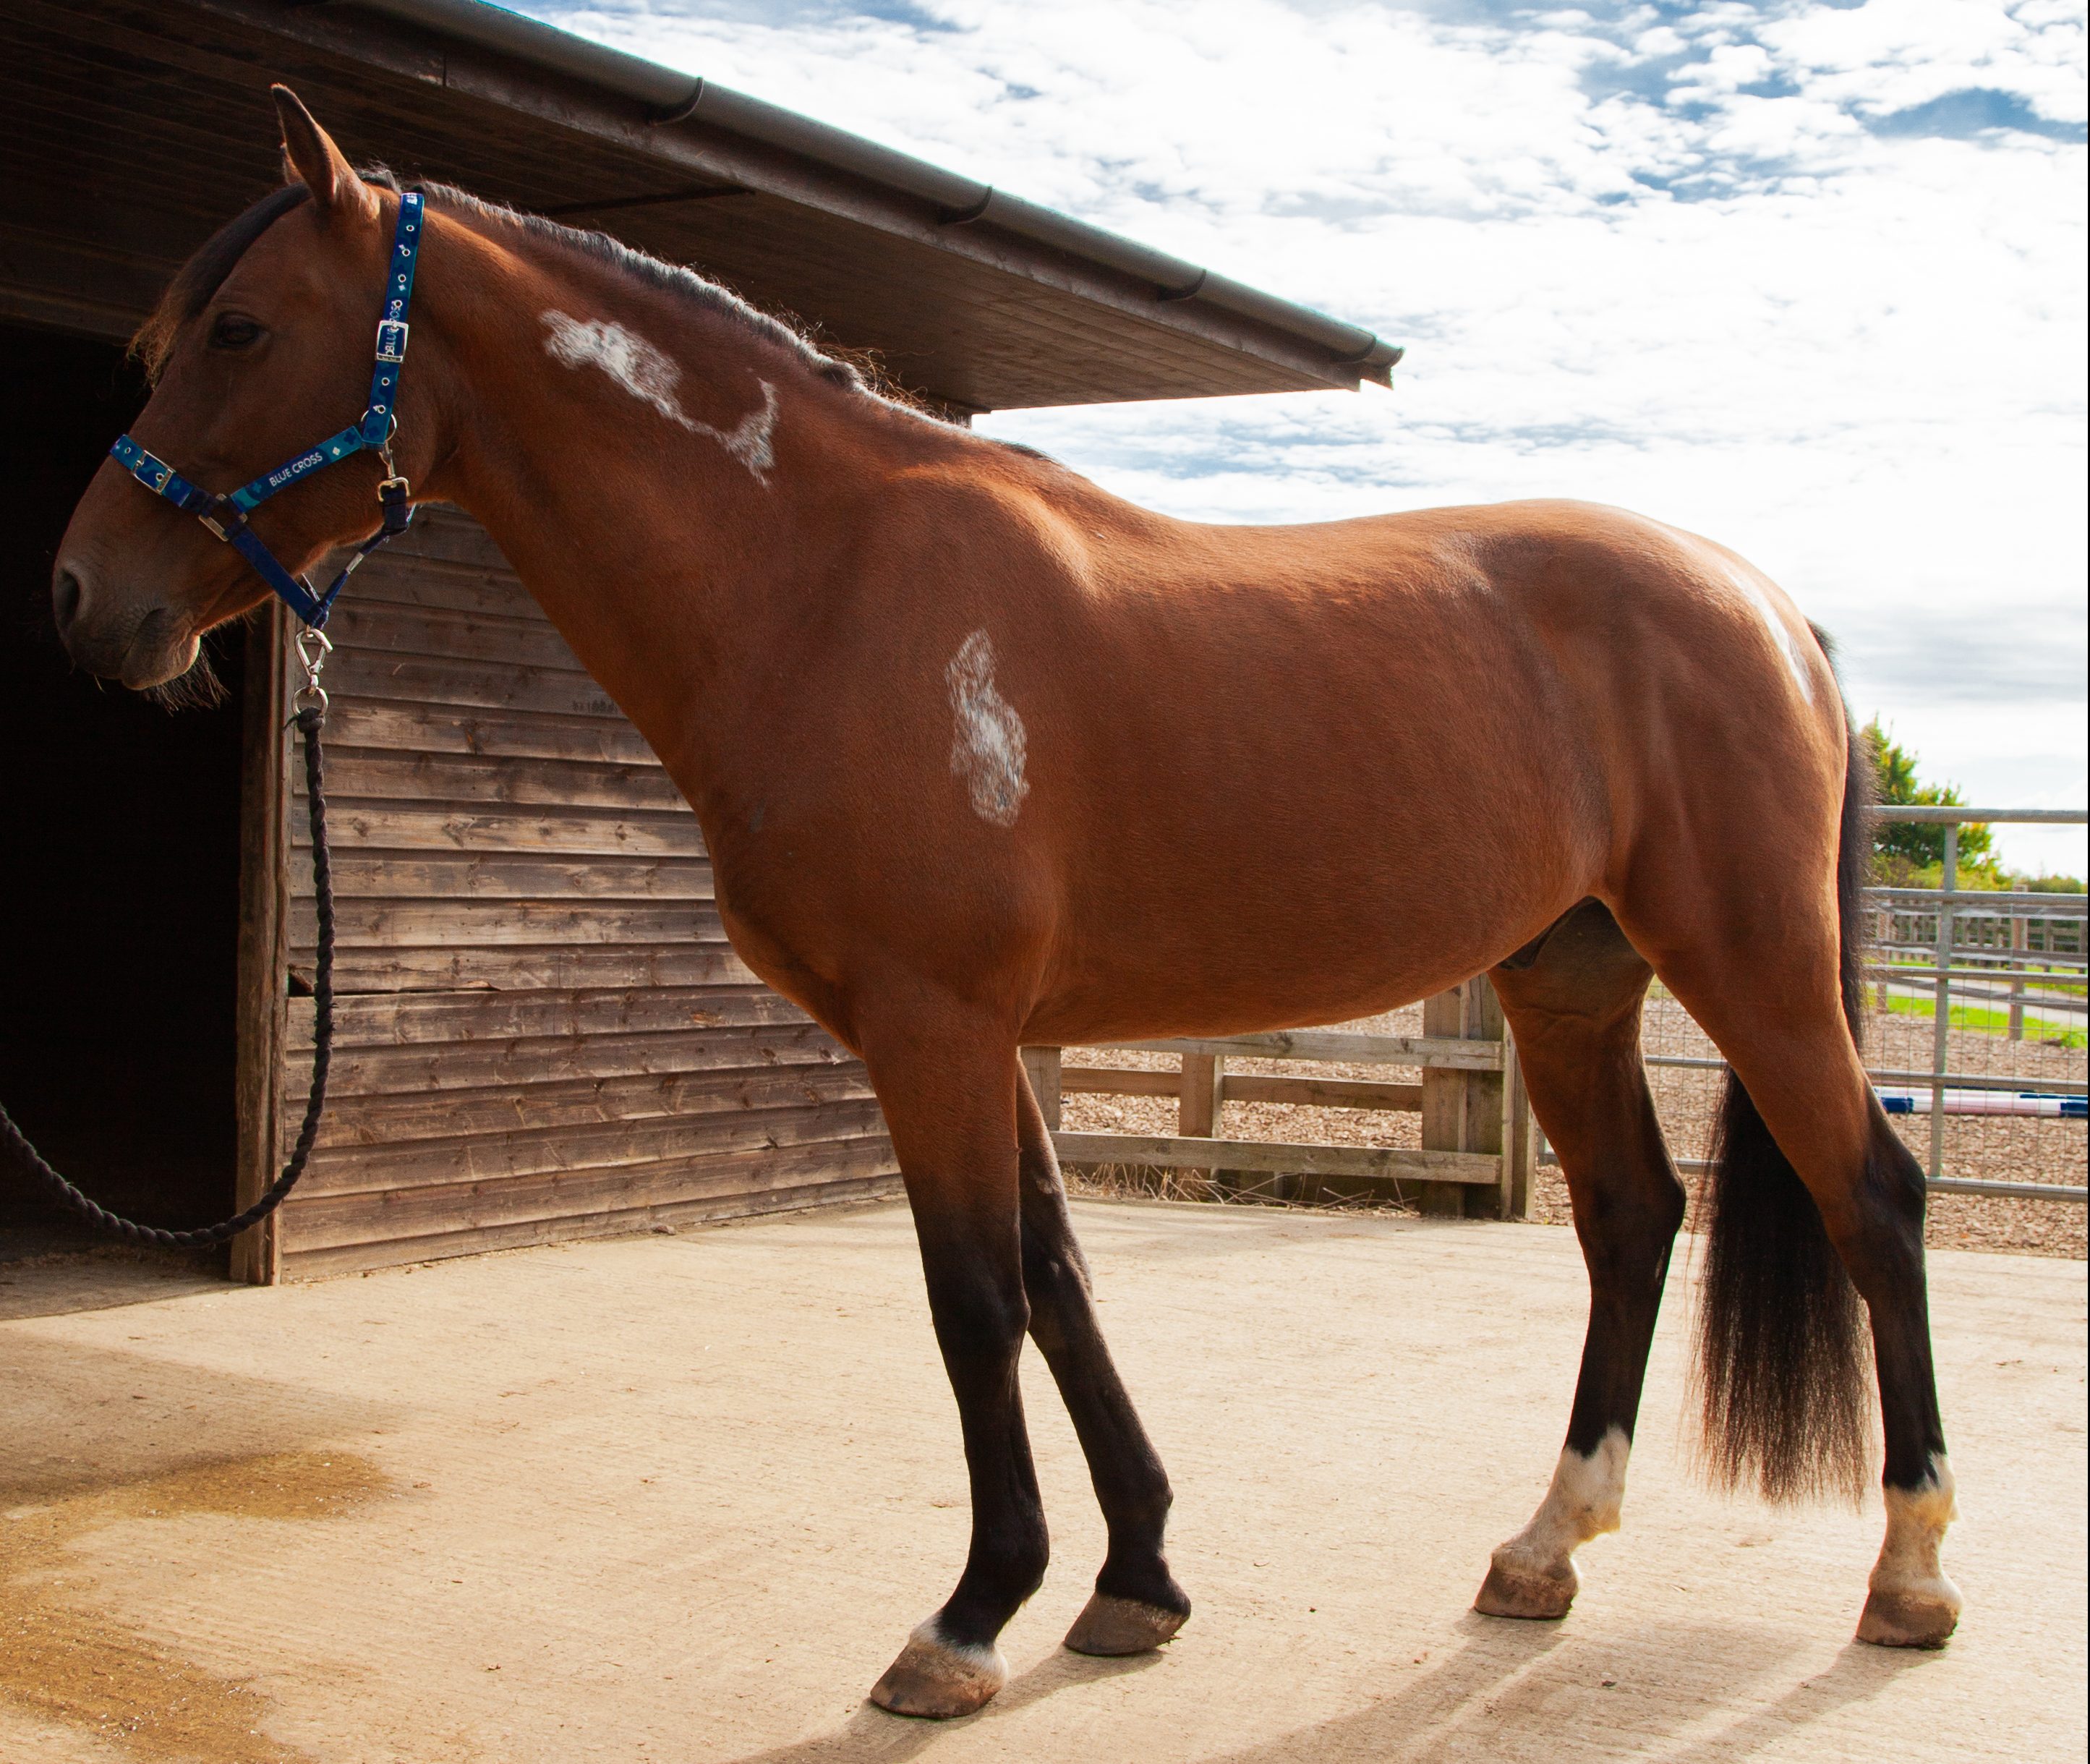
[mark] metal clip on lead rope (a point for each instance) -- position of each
(314, 646)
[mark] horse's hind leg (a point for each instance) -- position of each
(1574, 1003)
(1815, 1203)
(1814, 1200)
(1137, 1604)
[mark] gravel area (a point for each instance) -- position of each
(1982, 1148)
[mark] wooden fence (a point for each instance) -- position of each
(1478, 1135)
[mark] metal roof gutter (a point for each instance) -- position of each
(677, 97)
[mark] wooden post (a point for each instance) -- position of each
(2020, 950)
(265, 930)
(1464, 1111)
(1519, 1137)
(1197, 1105)
(1940, 1031)
(1042, 1066)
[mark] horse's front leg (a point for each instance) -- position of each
(1137, 1604)
(943, 1079)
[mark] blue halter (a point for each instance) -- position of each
(226, 515)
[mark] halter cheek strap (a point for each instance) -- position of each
(226, 515)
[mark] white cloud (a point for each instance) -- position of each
(1807, 278)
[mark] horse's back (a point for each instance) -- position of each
(1379, 755)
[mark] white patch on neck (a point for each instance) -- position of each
(1780, 635)
(989, 746)
(650, 376)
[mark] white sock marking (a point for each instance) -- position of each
(652, 377)
(1583, 1502)
(989, 747)
(1917, 1519)
(929, 1632)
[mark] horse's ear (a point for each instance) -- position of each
(310, 157)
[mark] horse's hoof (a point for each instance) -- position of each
(1509, 1592)
(1923, 1618)
(1113, 1626)
(938, 1679)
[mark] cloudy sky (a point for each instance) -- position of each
(1807, 278)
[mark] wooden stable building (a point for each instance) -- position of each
(543, 1033)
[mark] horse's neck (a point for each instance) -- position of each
(665, 482)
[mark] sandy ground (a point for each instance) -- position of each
(681, 1498)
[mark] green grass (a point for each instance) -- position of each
(1987, 1021)
(2058, 984)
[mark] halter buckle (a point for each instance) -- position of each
(392, 339)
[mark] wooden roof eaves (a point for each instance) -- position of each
(691, 148)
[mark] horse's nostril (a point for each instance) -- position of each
(65, 600)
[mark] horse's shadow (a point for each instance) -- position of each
(872, 1737)
(1507, 1688)
(1500, 1688)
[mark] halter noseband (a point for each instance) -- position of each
(226, 515)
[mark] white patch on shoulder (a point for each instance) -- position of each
(989, 747)
(652, 377)
(1780, 634)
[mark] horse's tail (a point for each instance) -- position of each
(1782, 1371)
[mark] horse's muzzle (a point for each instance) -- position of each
(141, 647)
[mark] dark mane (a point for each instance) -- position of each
(204, 274)
(674, 279)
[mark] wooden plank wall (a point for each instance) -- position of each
(542, 1032)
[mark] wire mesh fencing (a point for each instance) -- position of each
(1974, 1033)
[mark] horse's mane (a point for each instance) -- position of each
(859, 375)
(204, 274)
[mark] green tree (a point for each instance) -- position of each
(1905, 844)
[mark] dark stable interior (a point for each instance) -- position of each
(119, 856)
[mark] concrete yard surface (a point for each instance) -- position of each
(680, 1499)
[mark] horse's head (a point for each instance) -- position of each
(261, 347)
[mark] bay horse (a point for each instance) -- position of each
(982, 754)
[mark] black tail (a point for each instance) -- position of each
(1782, 1366)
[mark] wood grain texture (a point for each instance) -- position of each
(384, 776)
(397, 924)
(829, 1189)
(421, 1068)
(325, 1221)
(541, 1029)
(532, 968)
(433, 1020)
(397, 1118)
(1368, 1161)
(527, 877)
(445, 827)
(1340, 1047)
(259, 1069)
(434, 729)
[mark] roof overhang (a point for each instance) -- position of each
(135, 129)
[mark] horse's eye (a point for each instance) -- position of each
(231, 332)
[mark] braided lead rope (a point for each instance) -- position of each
(310, 719)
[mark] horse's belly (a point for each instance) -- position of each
(1314, 961)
